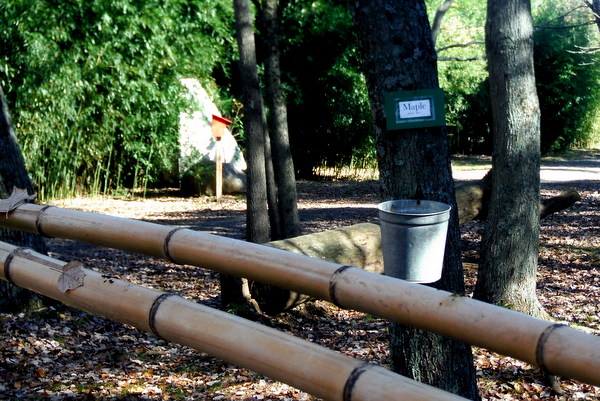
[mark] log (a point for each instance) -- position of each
(472, 198)
(360, 244)
(563, 201)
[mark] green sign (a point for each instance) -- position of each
(414, 109)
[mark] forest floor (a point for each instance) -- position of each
(60, 353)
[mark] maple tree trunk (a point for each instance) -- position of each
(14, 174)
(398, 53)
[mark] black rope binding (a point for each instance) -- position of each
(332, 284)
(154, 310)
(9, 259)
(352, 379)
(38, 221)
(167, 242)
(539, 349)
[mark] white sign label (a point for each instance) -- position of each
(414, 109)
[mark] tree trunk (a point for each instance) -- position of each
(507, 274)
(278, 127)
(398, 54)
(595, 6)
(272, 190)
(254, 125)
(257, 214)
(14, 174)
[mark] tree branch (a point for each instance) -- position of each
(471, 43)
(538, 27)
(461, 58)
(437, 20)
(561, 17)
(585, 50)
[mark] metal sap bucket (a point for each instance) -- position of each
(413, 239)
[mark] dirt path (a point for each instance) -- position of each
(583, 166)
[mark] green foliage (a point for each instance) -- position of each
(468, 113)
(328, 105)
(568, 78)
(93, 85)
(464, 82)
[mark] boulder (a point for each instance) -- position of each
(200, 179)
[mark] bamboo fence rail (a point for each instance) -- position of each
(299, 363)
(559, 349)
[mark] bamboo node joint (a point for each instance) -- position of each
(9, 259)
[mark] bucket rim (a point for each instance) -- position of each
(443, 207)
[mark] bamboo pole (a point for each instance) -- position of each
(560, 350)
(302, 364)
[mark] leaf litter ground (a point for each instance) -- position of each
(60, 353)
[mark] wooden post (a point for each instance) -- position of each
(219, 170)
(218, 128)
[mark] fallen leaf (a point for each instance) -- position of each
(16, 199)
(71, 277)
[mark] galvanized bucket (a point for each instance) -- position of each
(413, 238)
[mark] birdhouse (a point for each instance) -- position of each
(218, 125)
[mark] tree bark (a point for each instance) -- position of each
(257, 213)
(13, 173)
(278, 127)
(507, 274)
(398, 54)
(595, 7)
(254, 125)
(272, 190)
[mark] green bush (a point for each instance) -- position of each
(93, 85)
(568, 79)
(328, 105)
